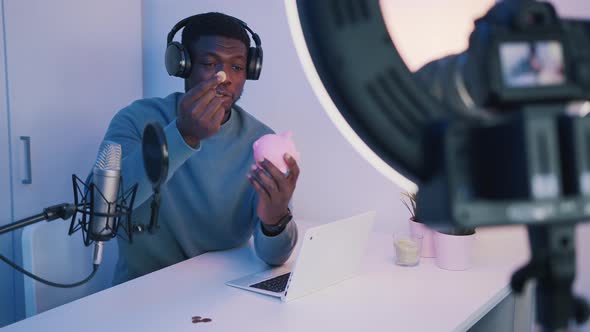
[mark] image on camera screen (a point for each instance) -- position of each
(532, 64)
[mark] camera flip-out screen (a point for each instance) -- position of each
(528, 64)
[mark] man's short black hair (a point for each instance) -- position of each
(213, 24)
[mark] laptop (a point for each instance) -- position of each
(329, 254)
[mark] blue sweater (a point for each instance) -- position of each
(206, 203)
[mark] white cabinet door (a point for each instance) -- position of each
(6, 273)
(71, 65)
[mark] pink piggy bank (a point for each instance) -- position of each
(273, 147)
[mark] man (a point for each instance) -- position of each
(214, 199)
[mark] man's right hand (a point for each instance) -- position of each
(200, 112)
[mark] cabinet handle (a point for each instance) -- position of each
(27, 144)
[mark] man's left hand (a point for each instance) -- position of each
(274, 189)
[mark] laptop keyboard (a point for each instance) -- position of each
(276, 284)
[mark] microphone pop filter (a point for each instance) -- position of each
(155, 153)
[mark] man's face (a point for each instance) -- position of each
(211, 54)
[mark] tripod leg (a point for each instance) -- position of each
(553, 250)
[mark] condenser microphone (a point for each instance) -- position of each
(106, 179)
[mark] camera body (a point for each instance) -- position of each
(522, 53)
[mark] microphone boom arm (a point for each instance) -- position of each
(63, 211)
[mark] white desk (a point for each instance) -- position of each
(384, 297)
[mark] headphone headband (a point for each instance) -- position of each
(176, 28)
(254, 35)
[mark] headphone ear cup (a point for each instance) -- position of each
(254, 63)
(177, 60)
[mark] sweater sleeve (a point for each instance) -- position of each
(124, 130)
(274, 250)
